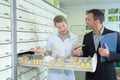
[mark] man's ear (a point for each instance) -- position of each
(97, 21)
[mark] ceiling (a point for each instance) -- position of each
(67, 3)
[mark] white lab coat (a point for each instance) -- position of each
(60, 47)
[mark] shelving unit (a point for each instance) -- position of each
(5, 41)
(34, 20)
(34, 25)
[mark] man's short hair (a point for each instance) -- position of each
(98, 14)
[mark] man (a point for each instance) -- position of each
(104, 70)
(60, 44)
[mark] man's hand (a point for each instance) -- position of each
(79, 46)
(77, 51)
(104, 51)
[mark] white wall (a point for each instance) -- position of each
(76, 14)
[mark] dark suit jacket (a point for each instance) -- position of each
(104, 70)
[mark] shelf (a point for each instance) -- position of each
(34, 23)
(31, 41)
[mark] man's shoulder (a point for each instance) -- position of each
(89, 33)
(107, 31)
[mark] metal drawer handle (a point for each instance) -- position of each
(21, 72)
(7, 53)
(7, 0)
(7, 66)
(8, 79)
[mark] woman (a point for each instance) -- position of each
(60, 44)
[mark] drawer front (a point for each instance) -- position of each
(24, 26)
(23, 37)
(5, 24)
(5, 63)
(23, 47)
(21, 4)
(28, 76)
(5, 2)
(6, 74)
(4, 11)
(5, 50)
(22, 70)
(5, 37)
(25, 16)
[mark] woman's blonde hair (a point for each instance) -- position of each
(59, 18)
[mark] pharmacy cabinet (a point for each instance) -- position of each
(26, 37)
(7, 2)
(5, 63)
(4, 52)
(6, 74)
(5, 37)
(21, 70)
(34, 25)
(24, 16)
(5, 24)
(26, 46)
(28, 76)
(25, 26)
(25, 73)
(5, 41)
(5, 11)
(43, 73)
(25, 5)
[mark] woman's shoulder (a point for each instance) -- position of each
(53, 35)
(73, 35)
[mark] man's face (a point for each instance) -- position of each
(62, 27)
(90, 21)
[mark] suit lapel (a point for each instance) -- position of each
(105, 31)
(92, 43)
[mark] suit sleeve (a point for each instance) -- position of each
(115, 56)
(84, 49)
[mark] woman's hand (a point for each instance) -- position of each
(38, 50)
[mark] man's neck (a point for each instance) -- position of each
(98, 29)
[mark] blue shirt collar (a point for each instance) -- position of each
(59, 35)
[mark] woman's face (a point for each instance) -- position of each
(62, 27)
